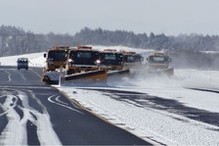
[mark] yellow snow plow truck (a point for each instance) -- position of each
(113, 62)
(82, 59)
(111, 59)
(84, 62)
(56, 58)
(132, 60)
(132, 57)
(159, 64)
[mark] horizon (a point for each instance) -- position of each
(110, 30)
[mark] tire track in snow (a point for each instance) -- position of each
(144, 100)
(16, 131)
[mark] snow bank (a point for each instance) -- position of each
(35, 59)
(150, 123)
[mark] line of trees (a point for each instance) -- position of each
(15, 41)
(192, 42)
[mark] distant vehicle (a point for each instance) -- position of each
(22, 63)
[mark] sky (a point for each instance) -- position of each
(171, 17)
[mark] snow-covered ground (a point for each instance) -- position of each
(144, 117)
(35, 59)
(148, 122)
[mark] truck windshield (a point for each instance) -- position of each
(130, 58)
(22, 61)
(83, 54)
(60, 55)
(111, 58)
(84, 57)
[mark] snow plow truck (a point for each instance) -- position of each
(113, 62)
(84, 62)
(55, 58)
(132, 60)
(158, 63)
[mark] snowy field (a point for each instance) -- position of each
(152, 108)
(150, 122)
(36, 59)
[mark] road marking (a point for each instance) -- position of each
(50, 99)
(9, 76)
(36, 73)
(22, 76)
(58, 99)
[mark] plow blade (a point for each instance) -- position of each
(100, 76)
(164, 72)
(118, 72)
(91, 75)
(51, 77)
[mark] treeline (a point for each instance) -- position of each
(16, 41)
(193, 42)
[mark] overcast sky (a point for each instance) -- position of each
(170, 17)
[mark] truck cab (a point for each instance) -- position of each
(82, 59)
(111, 59)
(56, 57)
(159, 63)
(132, 59)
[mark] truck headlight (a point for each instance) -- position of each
(98, 62)
(70, 60)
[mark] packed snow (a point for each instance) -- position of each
(188, 88)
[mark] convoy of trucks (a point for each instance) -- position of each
(85, 62)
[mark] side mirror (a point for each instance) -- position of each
(44, 55)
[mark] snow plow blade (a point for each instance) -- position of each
(169, 72)
(165, 72)
(92, 75)
(118, 72)
(50, 77)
